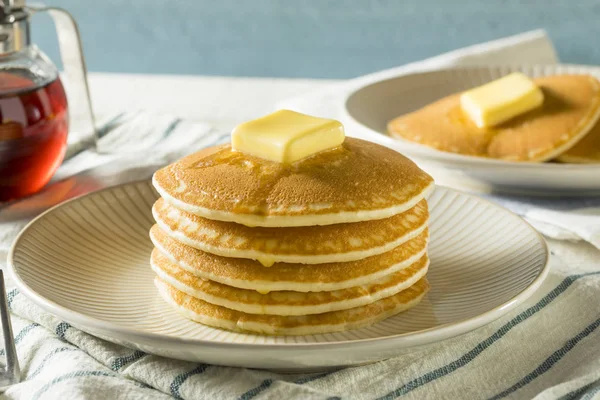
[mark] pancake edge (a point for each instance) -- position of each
(290, 285)
(284, 221)
(591, 122)
(292, 258)
(263, 329)
(293, 310)
(566, 159)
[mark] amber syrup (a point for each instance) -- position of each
(33, 133)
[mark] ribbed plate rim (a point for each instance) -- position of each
(404, 340)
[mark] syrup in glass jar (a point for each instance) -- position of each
(33, 131)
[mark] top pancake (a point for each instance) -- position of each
(571, 108)
(357, 181)
(586, 151)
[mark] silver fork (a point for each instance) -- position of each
(10, 373)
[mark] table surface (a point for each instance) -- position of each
(220, 101)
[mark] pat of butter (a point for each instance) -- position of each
(287, 136)
(264, 291)
(500, 100)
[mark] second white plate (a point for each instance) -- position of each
(368, 109)
(87, 261)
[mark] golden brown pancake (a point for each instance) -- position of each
(306, 245)
(571, 108)
(358, 181)
(286, 302)
(250, 274)
(353, 318)
(586, 151)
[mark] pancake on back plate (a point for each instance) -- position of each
(571, 108)
(586, 151)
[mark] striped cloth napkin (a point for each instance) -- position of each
(547, 349)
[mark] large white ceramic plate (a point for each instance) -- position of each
(368, 108)
(87, 261)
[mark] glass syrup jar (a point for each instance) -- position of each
(34, 113)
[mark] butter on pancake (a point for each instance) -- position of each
(286, 302)
(571, 108)
(250, 274)
(357, 181)
(305, 244)
(287, 136)
(335, 321)
(586, 151)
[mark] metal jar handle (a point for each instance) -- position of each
(83, 125)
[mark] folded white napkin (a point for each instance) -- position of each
(564, 219)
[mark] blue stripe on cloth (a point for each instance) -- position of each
(590, 394)
(223, 138)
(181, 378)
(10, 296)
(48, 357)
(21, 335)
(308, 379)
(171, 128)
(253, 392)
(120, 362)
(550, 361)
(577, 393)
(301, 381)
(77, 374)
(110, 125)
(482, 346)
(61, 330)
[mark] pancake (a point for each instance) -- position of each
(357, 181)
(250, 274)
(305, 245)
(286, 302)
(571, 108)
(586, 151)
(224, 318)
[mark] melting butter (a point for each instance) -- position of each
(287, 136)
(501, 100)
(266, 261)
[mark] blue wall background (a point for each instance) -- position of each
(308, 38)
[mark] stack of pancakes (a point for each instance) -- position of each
(566, 128)
(333, 242)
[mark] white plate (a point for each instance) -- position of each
(369, 108)
(87, 261)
